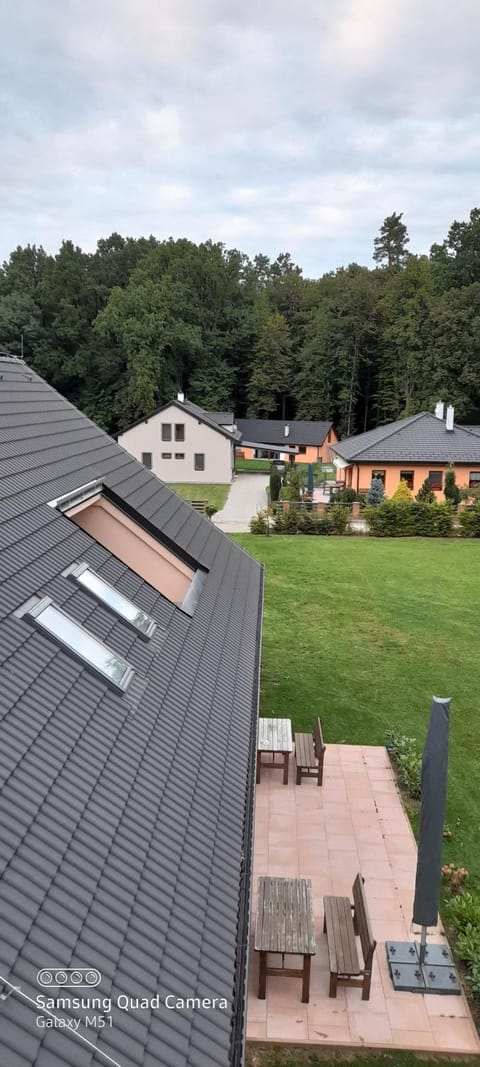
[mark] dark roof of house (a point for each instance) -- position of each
(272, 431)
(418, 438)
(125, 819)
(214, 419)
(473, 429)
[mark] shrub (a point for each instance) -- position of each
(408, 762)
(275, 484)
(259, 523)
(395, 518)
(376, 493)
(469, 520)
(425, 494)
(462, 909)
(345, 496)
(454, 877)
(339, 518)
(210, 510)
(451, 491)
(402, 492)
(294, 480)
(468, 944)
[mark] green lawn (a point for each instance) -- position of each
(294, 1057)
(253, 465)
(364, 632)
(213, 494)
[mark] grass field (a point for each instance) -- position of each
(364, 632)
(263, 1057)
(213, 494)
(253, 465)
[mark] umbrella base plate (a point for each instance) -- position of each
(437, 975)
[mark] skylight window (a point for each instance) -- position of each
(128, 611)
(89, 649)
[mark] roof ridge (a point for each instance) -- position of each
(408, 420)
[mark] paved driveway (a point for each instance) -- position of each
(247, 496)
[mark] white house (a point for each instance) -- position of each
(180, 442)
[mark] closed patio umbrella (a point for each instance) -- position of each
(432, 815)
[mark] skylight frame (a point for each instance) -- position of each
(78, 572)
(46, 604)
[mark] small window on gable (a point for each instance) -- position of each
(147, 460)
(84, 645)
(166, 431)
(199, 461)
(109, 595)
(179, 431)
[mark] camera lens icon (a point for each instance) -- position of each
(69, 977)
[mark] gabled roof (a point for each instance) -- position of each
(272, 431)
(211, 419)
(125, 819)
(418, 438)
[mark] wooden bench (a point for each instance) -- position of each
(199, 505)
(285, 925)
(342, 922)
(310, 754)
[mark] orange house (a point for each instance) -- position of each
(297, 439)
(413, 449)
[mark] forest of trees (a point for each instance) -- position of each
(118, 331)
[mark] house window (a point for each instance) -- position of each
(166, 431)
(109, 595)
(436, 480)
(380, 475)
(474, 480)
(166, 455)
(179, 455)
(179, 431)
(147, 460)
(302, 450)
(407, 476)
(199, 461)
(77, 639)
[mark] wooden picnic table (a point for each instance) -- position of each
(275, 736)
(285, 925)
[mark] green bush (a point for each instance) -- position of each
(376, 492)
(285, 493)
(409, 518)
(463, 910)
(425, 494)
(259, 523)
(210, 509)
(345, 496)
(468, 944)
(339, 516)
(408, 762)
(298, 521)
(469, 519)
(451, 491)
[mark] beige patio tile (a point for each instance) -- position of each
(376, 1005)
(370, 1029)
(389, 930)
(408, 1014)
(383, 888)
(455, 1035)
(386, 909)
(256, 1010)
(413, 1039)
(323, 1010)
(447, 1007)
(371, 852)
(288, 1025)
(372, 869)
(341, 842)
(324, 1033)
(256, 1031)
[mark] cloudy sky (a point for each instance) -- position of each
(270, 125)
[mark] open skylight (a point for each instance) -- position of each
(90, 580)
(77, 639)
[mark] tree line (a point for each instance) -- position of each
(120, 330)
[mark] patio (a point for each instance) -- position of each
(355, 822)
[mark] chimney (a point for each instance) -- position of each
(180, 397)
(449, 418)
(439, 406)
(286, 430)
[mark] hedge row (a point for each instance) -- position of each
(394, 518)
(469, 519)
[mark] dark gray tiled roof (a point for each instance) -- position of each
(272, 431)
(123, 819)
(419, 438)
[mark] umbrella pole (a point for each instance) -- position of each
(423, 945)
